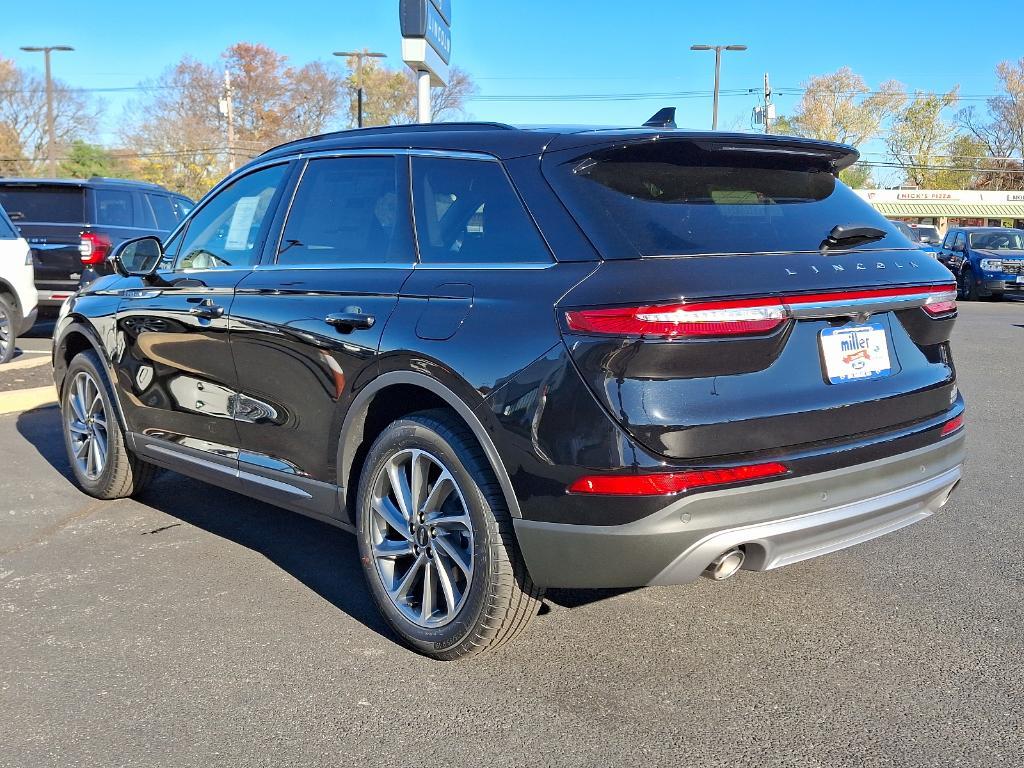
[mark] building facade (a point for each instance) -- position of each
(945, 208)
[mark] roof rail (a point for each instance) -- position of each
(389, 129)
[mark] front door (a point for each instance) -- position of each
(306, 328)
(174, 366)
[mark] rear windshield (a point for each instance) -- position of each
(42, 203)
(928, 235)
(675, 198)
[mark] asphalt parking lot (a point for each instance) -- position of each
(196, 627)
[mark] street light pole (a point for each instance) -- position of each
(51, 155)
(360, 55)
(718, 71)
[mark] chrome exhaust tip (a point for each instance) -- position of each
(725, 565)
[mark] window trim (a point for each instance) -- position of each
(265, 226)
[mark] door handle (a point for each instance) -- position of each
(207, 309)
(346, 322)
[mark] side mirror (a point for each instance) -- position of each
(140, 257)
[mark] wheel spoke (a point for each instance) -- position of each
(405, 584)
(78, 427)
(97, 403)
(400, 487)
(389, 549)
(453, 552)
(453, 521)
(419, 467)
(443, 487)
(76, 406)
(100, 421)
(386, 509)
(427, 602)
(101, 448)
(447, 580)
(90, 461)
(82, 448)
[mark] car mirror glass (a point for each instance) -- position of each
(139, 257)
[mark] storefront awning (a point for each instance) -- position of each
(953, 210)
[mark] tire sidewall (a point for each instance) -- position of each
(411, 433)
(86, 362)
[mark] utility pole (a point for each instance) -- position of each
(769, 108)
(718, 71)
(227, 108)
(51, 140)
(359, 56)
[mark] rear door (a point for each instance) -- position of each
(306, 324)
(51, 218)
(175, 366)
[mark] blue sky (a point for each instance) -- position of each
(549, 47)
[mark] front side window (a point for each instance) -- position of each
(114, 208)
(958, 244)
(347, 210)
(227, 232)
(947, 243)
(467, 211)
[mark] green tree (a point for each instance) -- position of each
(389, 95)
(84, 160)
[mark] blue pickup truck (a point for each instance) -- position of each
(988, 262)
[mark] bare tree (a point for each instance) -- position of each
(1000, 130)
(23, 119)
(920, 139)
(390, 95)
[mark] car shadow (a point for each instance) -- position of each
(323, 558)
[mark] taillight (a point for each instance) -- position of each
(94, 248)
(952, 425)
(748, 317)
(717, 318)
(664, 483)
(942, 302)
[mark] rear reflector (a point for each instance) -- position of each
(664, 483)
(952, 425)
(747, 317)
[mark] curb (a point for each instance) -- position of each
(26, 399)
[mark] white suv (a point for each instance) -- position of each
(17, 287)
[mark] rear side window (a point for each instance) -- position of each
(163, 211)
(467, 211)
(47, 203)
(684, 198)
(7, 230)
(114, 208)
(347, 210)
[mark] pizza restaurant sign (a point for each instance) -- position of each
(939, 196)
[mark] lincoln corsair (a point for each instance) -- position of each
(515, 359)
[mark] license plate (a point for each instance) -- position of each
(855, 352)
(1020, 278)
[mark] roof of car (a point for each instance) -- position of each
(90, 182)
(985, 229)
(507, 141)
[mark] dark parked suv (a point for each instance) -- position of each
(514, 359)
(73, 224)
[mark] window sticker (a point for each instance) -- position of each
(241, 223)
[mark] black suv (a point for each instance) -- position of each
(73, 224)
(513, 359)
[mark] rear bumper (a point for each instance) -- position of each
(777, 523)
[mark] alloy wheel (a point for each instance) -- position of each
(86, 422)
(421, 535)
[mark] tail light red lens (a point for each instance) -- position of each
(748, 317)
(952, 425)
(94, 248)
(719, 318)
(664, 483)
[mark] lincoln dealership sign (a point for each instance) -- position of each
(427, 36)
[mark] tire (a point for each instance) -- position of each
(10, 321)
(968, 285)
(466, 523)
(102, 464)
